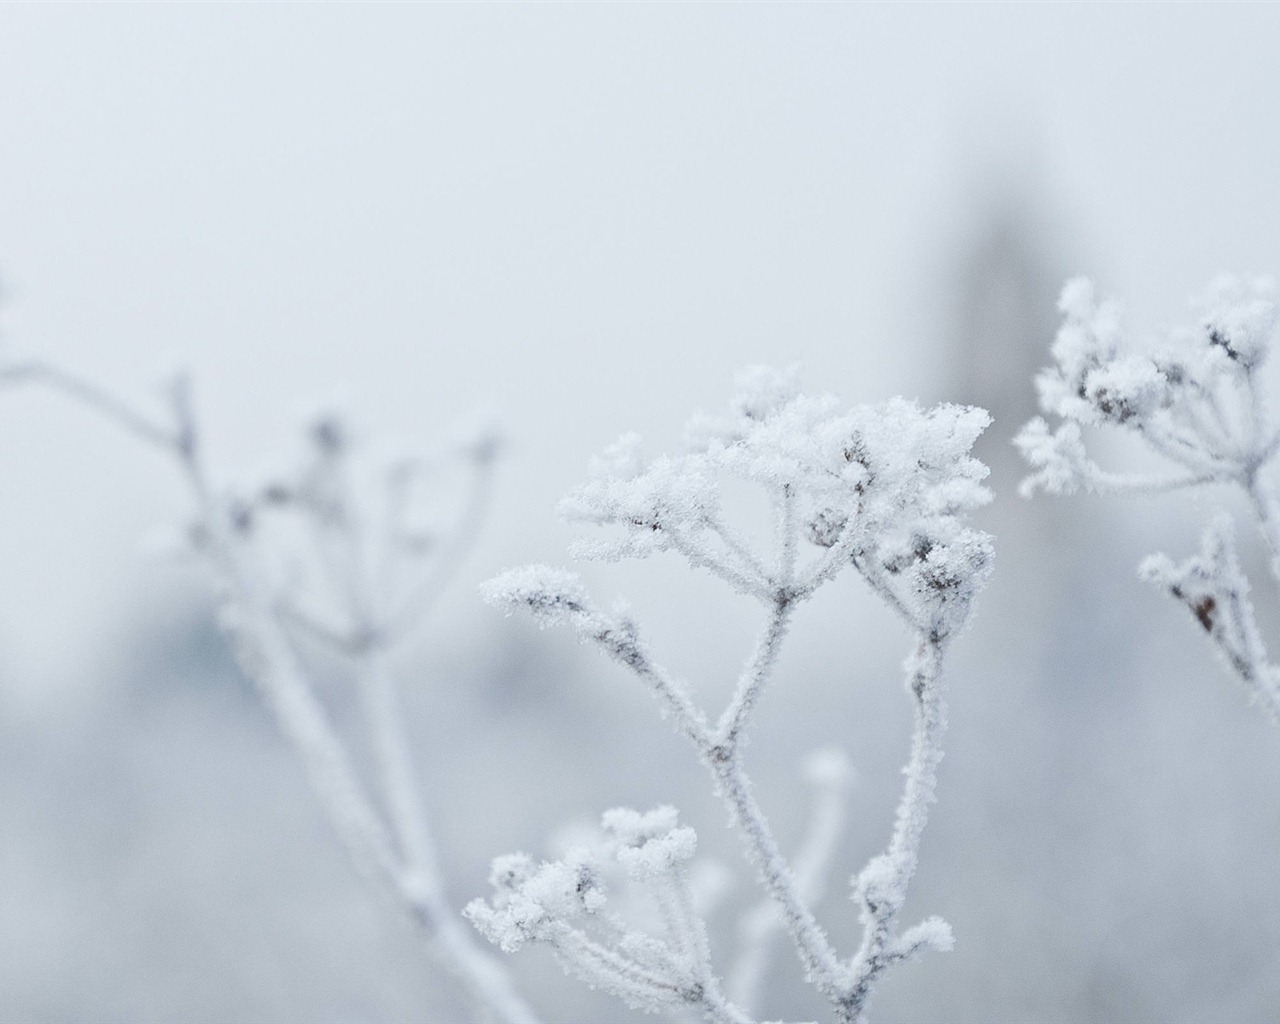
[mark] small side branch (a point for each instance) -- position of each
(870, 570)
(93, 397)
(745, 579)
(403, 804)
(1216, 591)
(881, 887)
(1062, 466)
(554, 596)
(831, 775)
(755, 677)
(268, 660)
(733, 543)
(821, 965)
(1195, 399)
(398, 859)
(562, 904)
(413, 609)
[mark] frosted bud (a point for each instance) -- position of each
(878, 885)
(511, 870)
(1203, 581)
(1240, 318)
(552, 595)
(623, 459)
(762, 390)
(1088, 339)
(532, 902)
(649, 844)
(931, 933)
(1127, 388)
(660, 854)
(631, 828)
(1061, 463)
(826, 528)
(1077, 299)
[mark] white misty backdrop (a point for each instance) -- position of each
(578, 221)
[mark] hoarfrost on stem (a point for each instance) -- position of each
(1195, 398)
(317, 554)
(883, 489)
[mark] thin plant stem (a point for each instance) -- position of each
(884, 894)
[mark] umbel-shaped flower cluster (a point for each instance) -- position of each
(884, 486)
(884, 490)
(332, 557)
(1192, 396)
(1195, 398)
(558, 902)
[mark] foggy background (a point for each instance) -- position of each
(585, 219)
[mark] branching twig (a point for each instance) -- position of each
(882, 489)
(830, 773)
(392, 846)
(1195, 399)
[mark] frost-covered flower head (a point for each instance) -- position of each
(1194, 396)
(1190, 394)
(354, 545)
(534, 902)
(883, 489)
(562, 903)
(892, 479)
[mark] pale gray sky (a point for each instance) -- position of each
(585, 217)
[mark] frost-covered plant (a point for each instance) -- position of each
(561, 902)
(317, 556)
(1196, 399)
(882, 489)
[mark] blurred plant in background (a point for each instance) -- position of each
(1196, 399)
(321, 556)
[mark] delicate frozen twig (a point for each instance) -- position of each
(388, 839)
(831, 774)
(884, 489)
(554, 596)
(1195, 399)
(1216, 591)
(1062, 467)
(413, 608)
(820, 961)
(90, 395)
(755, 676)
(881, 888)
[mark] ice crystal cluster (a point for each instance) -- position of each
(887, 486)
(885, 490)
(561, 902)
(1195, 398)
